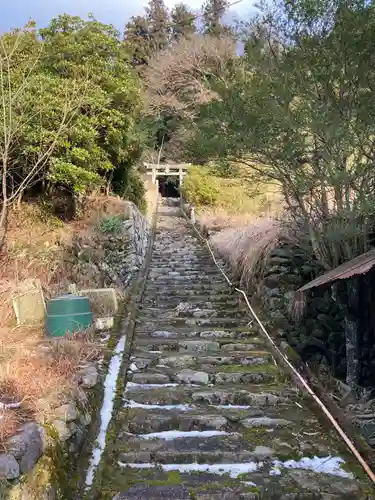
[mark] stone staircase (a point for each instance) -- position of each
(207, 413)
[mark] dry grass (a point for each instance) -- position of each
(246, 248)
(219, 218)
(40, 374)
(36, 372)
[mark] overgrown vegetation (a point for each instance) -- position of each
(286, 122)
(298, 108)
(77, 120)
(224, 198)
(37, 374)
(70, 105)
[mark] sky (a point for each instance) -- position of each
(15, 13)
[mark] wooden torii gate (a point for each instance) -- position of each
(169, 169)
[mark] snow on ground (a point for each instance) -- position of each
(133, 404)
(169, 435)
(107, 408)
(132, 386)
(327, 465)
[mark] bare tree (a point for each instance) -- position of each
(176, 79)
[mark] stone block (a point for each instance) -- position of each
(28, 303)
(67, 412)
(27, 446)
(9, 468)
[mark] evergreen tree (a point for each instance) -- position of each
(138, 40)
(145, 35)
(213, 11)
(158, 19)
(183, 22)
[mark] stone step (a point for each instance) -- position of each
(253, 430)
(223, 335)
(247, 416)
(212, 375)
(189, 270)
(198, 301)
(196, 264)
(171, 302)
(181, 254)
(197, 284)
(182, 261)
(147, 420)
(216, 287)
(253, 395)
(184, 294)
(216, 449)
(204, 347)
(142, 421)
(172, 323)
(205, 482)
(143, 360)
(176, 492)
(190, 312)
(173, 275)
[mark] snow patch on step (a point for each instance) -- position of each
(234, 470)
(133, 386)
(133, 367)
(231, 407)
(328, 465)
(133, 404)
(106, 409)
(170, 435)
(163, 334)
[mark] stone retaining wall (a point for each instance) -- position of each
(319, 334)
(139, 229)
(29, 468)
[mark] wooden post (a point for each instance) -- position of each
(192, 214)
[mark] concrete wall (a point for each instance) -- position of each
(152, 195)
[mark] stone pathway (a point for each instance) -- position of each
(207, 413)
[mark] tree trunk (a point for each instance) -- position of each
(3, 223)
(109, 184)
(19, 199)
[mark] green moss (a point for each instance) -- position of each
(256, 436)
(292, 355)
(173, 477)
(253, 489)
(272, 369)
(33, 485)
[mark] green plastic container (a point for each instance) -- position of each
(67, 314)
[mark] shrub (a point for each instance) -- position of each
(200, 187)
(111, 224)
